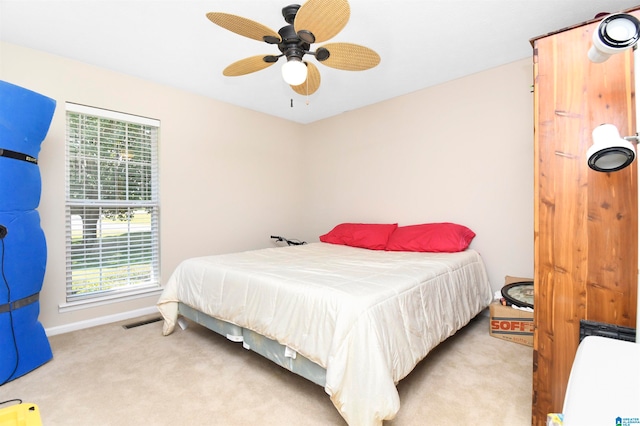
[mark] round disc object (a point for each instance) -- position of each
(519, 294)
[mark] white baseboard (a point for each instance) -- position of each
(67, 328)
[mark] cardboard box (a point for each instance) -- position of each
(507, 323)
(510, 280)
(511, 324)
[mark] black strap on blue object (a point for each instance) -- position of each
(18, 156)
(20, 303)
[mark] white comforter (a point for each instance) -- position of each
(368, 317)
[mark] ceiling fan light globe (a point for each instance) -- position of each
(294, 72)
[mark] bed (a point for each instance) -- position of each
(353, 320)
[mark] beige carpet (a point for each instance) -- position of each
(111, 376)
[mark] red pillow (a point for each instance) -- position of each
(372, 236)
(432, 237)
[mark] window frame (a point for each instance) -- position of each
(149, 204)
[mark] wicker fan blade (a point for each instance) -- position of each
(243, 26)
(312, 83)
(350, 57)
(246, 66)
(323, 18)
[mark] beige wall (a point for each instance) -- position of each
(458, 152)
(461, 151)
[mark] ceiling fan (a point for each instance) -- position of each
(314, 22)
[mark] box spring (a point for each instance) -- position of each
(268, 348)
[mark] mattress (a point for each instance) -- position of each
(367, 317)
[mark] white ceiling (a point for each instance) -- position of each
(421, 43)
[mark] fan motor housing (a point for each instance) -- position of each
(291, 45)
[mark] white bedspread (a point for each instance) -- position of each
(368, 317)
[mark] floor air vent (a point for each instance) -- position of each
(139, 323)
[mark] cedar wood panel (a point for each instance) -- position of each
(585, 222)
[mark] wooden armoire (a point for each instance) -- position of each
(585, 222)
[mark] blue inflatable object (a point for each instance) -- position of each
(20, 186)
(25, 117)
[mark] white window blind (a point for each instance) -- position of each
(112, 209)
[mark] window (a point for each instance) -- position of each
(112, 245)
